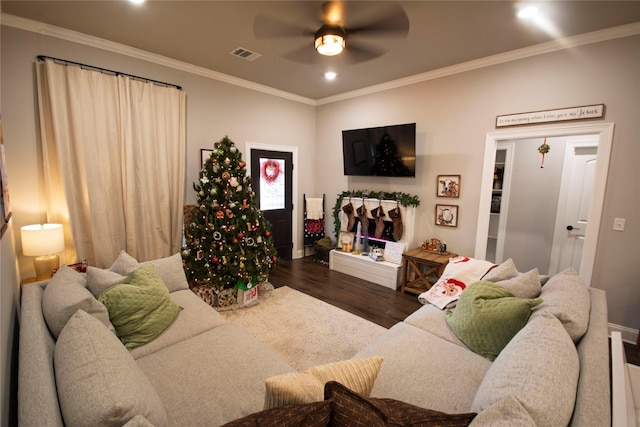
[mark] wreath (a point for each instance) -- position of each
(270, 171)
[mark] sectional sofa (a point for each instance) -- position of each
(203, 371)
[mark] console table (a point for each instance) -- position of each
(421, 264)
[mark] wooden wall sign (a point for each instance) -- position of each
(549, 116)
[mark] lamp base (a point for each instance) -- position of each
(44, 265)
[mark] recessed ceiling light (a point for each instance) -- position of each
(330, 75)
(137, 1)
(528, 12)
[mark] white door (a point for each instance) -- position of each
(573, 206)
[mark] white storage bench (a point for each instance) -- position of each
(382, 273)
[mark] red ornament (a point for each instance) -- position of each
(240, 235)
(215, 260)
(275, 259)
(267, 233)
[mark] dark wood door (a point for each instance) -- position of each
(272, 174)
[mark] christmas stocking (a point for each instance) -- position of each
(362, 216)
(348, 209)
(377, 214)
(398, 229)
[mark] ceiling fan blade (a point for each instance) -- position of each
(304, 54)
(356, 53)
(385, 19)
(268, 27)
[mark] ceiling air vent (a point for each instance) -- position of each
(245, 54)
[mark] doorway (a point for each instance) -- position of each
(275, 191)
(604, 134)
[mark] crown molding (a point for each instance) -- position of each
(96, 42)
(514, 55)
(539, 49)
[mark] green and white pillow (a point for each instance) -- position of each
(140, 307)
(488, 316)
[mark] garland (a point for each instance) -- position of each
(276, 171)
(404, 199)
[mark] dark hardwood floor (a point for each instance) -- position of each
(373, 302)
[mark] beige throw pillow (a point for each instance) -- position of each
(98, 382)
(358, 375)
(67, 293)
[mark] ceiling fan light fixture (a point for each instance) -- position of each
(330, 40)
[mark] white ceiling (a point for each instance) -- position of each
(441, 34)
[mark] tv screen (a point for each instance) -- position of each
(380, 151)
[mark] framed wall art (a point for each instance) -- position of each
(448, 186)
(447, 215)
(204, 155)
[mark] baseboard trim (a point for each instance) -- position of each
(629, 335)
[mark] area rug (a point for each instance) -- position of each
(303, 330)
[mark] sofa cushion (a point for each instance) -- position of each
(540, 368)
(505, 271)
(140, 307)
(523, 285)
(415, 359)
(506, 412)
(169, 269)
(98, 381)
(567, 297)
(195, 318)
(65, 294)
(431, 319)
(99, 280)
(353, 409)
(125, 264)
(315, 414)
(308, 386)
(214, 377)
(487, 316)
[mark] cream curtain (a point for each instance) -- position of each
(114, 161)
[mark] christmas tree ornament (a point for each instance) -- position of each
(241, 165)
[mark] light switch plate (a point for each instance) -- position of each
(618, 224)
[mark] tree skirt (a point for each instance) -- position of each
(303, 330)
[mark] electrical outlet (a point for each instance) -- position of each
(618, 224)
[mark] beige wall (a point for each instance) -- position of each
(453, 115)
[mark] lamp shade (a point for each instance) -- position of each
(42, 239)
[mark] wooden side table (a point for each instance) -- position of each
(420, 264)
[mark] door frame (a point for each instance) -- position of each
(604, 131)
(295, 234)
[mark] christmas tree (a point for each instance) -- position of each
(228, 241)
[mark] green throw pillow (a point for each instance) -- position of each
(140, 307)
(487, 316)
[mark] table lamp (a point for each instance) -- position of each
(44, 241)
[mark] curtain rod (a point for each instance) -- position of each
(105, 70)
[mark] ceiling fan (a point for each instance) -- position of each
(353, 29)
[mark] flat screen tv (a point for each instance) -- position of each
(380, 151)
